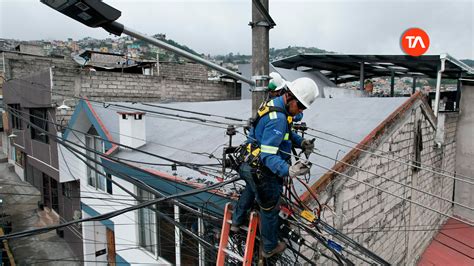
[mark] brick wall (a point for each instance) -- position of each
(395, 229)
(183, 71)
(112, 86)
(19, 65)
(177, 82)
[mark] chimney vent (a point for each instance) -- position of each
(132, 129)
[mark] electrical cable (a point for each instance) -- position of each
(399, 161)
(90, 150)
(138, 183)
(376, 187)
(116, 213)
(400, 157)
(193, 112)
(166, 218)
(160, 214)
(57, 93)
(387, 192)
(191, 166)
(394, 181)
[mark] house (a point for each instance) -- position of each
(36, 85)
(156, 137)
(380, 174)
(341, 68)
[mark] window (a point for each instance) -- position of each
(15, 116)
(20, 158)
(54, 195)
(147, 225)
(67, 189)
(95, 172)
(156, 235)
(418, 147)
(39, 118)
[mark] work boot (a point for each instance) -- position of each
(278, 249)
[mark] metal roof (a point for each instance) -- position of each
(451, 246)
(328, 115)
(347, 67)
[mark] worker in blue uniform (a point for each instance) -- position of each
(276, 87)
(269, 145)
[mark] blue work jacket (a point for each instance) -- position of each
(274, 136)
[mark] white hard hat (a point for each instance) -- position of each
(305, 90)
(276, 82)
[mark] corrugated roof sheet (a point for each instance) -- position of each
(351, 118)
(453, 245)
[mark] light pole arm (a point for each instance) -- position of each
(176, 50)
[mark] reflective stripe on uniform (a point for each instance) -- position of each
(269, 149)
(273, 115)
(287, 136)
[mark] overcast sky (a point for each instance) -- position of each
(219, 27)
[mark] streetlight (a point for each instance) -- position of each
(95, 13)
(63, 108)
(12, 135)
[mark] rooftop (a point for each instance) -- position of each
(342, 68)
(193, 141)
(453, 245)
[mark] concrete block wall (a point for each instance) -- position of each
(117, 87)
(19, 65)
(394, 229)
(183, 71)
(465, 152)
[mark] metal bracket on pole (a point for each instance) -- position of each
(269, 21)
(259, 24)
(261, 83)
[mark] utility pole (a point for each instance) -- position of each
(260, 52)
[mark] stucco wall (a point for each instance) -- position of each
(465, 152)
(392, 228)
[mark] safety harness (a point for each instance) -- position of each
(250, 152)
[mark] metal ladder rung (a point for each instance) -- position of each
(249, 243)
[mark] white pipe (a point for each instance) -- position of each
(202, 255)
(183, 53)
(177, 236)
(438, 86)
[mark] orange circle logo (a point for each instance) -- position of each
(415, 42)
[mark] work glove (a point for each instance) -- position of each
(298, 169)
(307, 146)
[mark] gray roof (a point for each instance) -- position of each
(346, 67)
(351, 118)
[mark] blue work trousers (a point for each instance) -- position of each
(267, 194)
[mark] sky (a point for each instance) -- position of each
(220, 27)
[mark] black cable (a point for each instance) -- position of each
(109, 215)
(193, 112)
(138, 183)
(93, 151)
(158, 213)
(85, 155)
(191, 166)
(129, 107)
